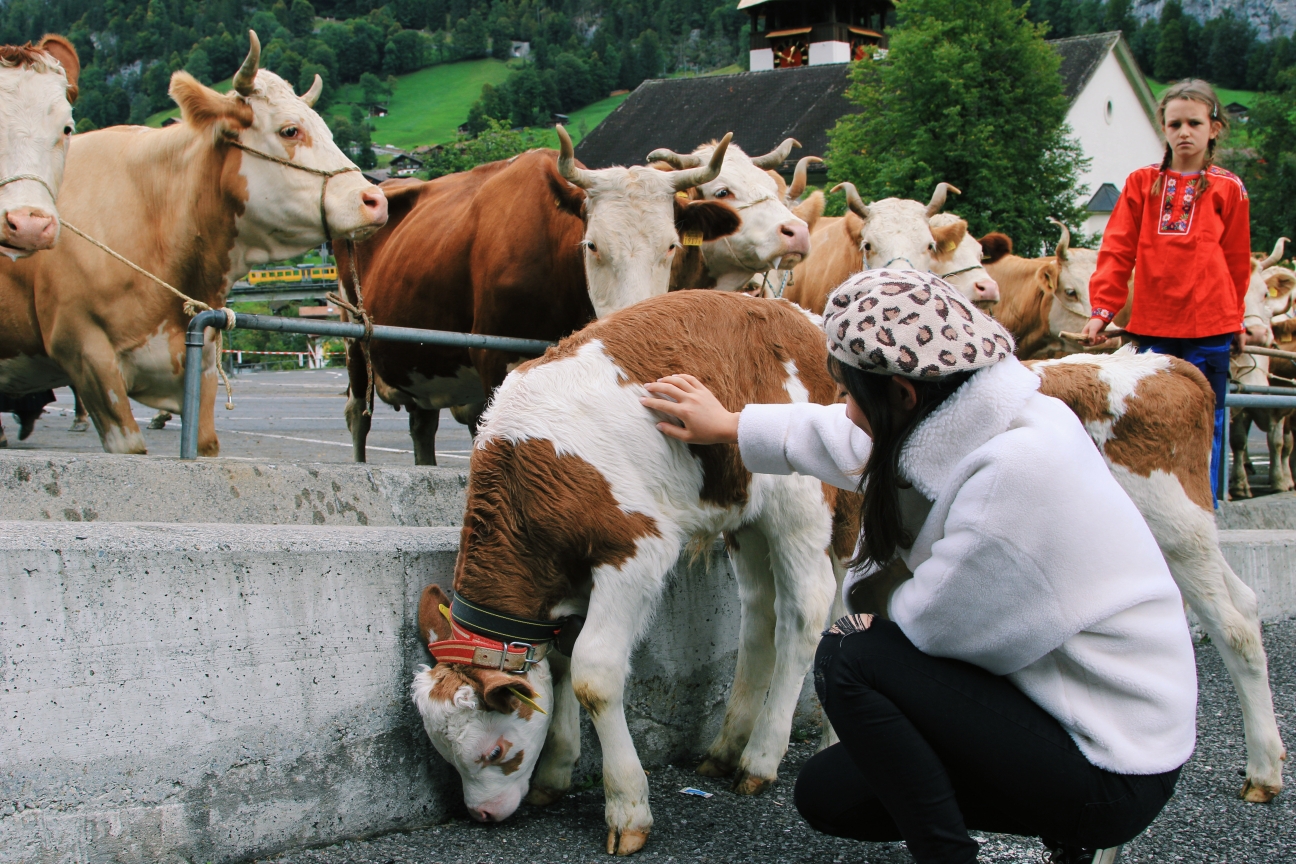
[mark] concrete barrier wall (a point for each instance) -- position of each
(1265, 560)
(221, 692)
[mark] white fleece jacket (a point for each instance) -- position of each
(1029, 560)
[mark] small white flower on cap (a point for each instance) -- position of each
(902, 322)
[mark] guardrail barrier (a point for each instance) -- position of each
(218, 320)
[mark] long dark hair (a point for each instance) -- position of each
(881, 529)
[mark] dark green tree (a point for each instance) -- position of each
(301, 18)
(968, 94)
(375, 91)
(1268, 165)
(199, 66)
(1173, 52)
(470, 36)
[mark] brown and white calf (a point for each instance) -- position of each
(38, 84)
(1152, 416)
(1042, 298)
(577, 504)
(190, 205)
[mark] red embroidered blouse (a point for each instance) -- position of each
(1193, 252)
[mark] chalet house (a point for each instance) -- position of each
(405, 165)
(799, 57)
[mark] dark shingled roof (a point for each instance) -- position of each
(1080, 58)
(760, 108)
(763, 108)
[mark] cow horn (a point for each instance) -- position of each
(677, 161)
(938, 198)
(1276, 255)
(853, 200)
(316, 88)
(1064, 242)
(799, 176)
(567, 162)
(690, 177)
(246, 75)
(777, 156)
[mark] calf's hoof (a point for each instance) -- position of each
(1259, 793)
(713, 767)
(543, 796)
(160, 420)
(627, 841)
(750, 784)
(80, 426)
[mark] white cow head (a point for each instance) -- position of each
(1067, 278)
(771, 234)
(478, 724)
(962, 268)
(282, 215)
(898, 232)
(38, 84)
(634, 223)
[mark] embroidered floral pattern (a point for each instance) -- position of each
(1175, 220)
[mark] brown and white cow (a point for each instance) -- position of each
(186, 204)
(38, 84)
(578, 505)
(535, 247)
(1042, 298)
(892, 232)
(772, 234)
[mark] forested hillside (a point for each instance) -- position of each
(581, 49)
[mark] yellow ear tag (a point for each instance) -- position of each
(527, 700)
(1273, 292)
(692, 238)
(683, 196)
(446, 612)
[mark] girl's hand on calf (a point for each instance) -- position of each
(704, 419)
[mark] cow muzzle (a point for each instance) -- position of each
(985, 291)
(28, 229)
(796, 243)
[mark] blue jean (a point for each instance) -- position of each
(1210, 355)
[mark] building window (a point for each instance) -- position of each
(1107, 113)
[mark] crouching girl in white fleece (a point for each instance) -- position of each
(1013, 684)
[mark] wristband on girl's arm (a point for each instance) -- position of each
(1103, 314)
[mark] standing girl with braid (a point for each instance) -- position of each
(1184, 229)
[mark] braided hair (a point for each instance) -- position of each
(1195, 90)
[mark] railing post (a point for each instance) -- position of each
(193, 378)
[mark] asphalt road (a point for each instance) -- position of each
(1204, 821)
(295, 415)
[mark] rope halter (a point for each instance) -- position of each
(319, 172)
(957, 272)
(41, 180)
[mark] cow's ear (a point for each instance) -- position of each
(431, 620)
(995, 246)
(501, 691)
(711, 219)
(1049, 276)
(402, 194)
(61, 50)
(567, 197)
(202, 106)
(948, 237)
(780, 182)
(810, 209)
(854, 227)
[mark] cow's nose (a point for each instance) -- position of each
(29, 228)
(374, 204)
(487, 813)
(986, 290)
(796, 238)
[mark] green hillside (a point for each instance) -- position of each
(427, 106)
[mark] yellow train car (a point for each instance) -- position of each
(293, 274)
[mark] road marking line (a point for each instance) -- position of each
(334, 443)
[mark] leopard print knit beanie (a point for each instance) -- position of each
(902, 322)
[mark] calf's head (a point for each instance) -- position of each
(771, 233)
(283, 215)
(482, 721)
(635, 223)
(38, 84)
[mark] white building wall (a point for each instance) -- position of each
(762, 60)
(823, 53)
(1117, 141)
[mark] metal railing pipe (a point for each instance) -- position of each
(1256, 400)
(348, 330)
(1267, 391)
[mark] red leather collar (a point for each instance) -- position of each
(467, 648)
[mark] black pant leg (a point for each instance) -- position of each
(943, 746)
